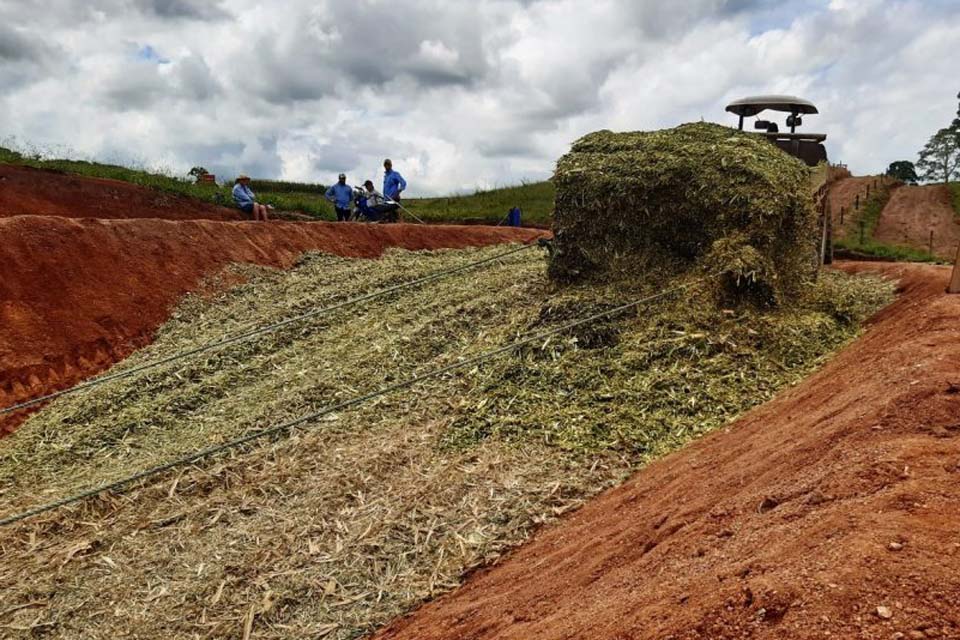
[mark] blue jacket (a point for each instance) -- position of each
(242, 195)
(393, 184)
(341, 195)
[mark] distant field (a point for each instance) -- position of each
(535, 200)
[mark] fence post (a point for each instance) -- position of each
(841, 216)
(828, 244)
(856, 204)
(955, 280)
(868, 190)
(863, 229)
(931, 241)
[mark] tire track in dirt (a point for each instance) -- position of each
(831, 510)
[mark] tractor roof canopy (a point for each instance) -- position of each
(747, 107)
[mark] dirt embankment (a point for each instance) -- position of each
(832, 510)
(914, 212)
(79, 295)
(29, 191)
(843, 195)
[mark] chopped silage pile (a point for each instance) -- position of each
(698, 197)
(333, 530)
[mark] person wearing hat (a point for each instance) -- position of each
(375, 207)
(341, 195)
(393, 182)
(243, 196)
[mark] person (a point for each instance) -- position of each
(393, 182)
(246, 201)
(341, 195)
(375, 207)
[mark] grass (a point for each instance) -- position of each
(955, 189)
(863, 242)
(333, 530)
(489, 207)
(283, 199)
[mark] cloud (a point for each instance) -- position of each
(24, 59)
(460, 95)
(188, 9)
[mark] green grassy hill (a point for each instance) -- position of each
(535, 199)
(283, 198)
(490, 207)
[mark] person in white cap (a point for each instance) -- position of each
(245, 199)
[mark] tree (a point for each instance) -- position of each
(198, 173)
(940, 159)
(904, 171)
(956, 121)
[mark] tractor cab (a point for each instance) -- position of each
(806, 146)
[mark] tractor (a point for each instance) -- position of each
(806, 146)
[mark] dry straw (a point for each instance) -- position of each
(330, 532)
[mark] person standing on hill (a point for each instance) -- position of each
(341, 195)
(393, 182)
(245, 199)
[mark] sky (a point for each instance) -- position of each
(462, 95)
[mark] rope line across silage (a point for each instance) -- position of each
(353, 402)
(252, 333)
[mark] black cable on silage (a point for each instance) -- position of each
(353, 402)
(252, 333)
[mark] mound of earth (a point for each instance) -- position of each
(79, 295)
(29, 191)
(829, 512)
(842, 195)
(913, 213)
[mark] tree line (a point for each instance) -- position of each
(939, 160)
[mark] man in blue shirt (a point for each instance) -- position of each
(341, 195)
(393, 182)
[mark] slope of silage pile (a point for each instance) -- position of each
(334, 529)
(651, 204)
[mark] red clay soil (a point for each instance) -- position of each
(843, 194)
(832, 511)
(77, 296)
(913, 212)
(28, 191)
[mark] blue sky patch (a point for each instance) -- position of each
(148, 54)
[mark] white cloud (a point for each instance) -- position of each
(459, 94)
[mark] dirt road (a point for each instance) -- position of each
(829, 512)
(914, 212)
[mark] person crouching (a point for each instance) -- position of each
(378, 208)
